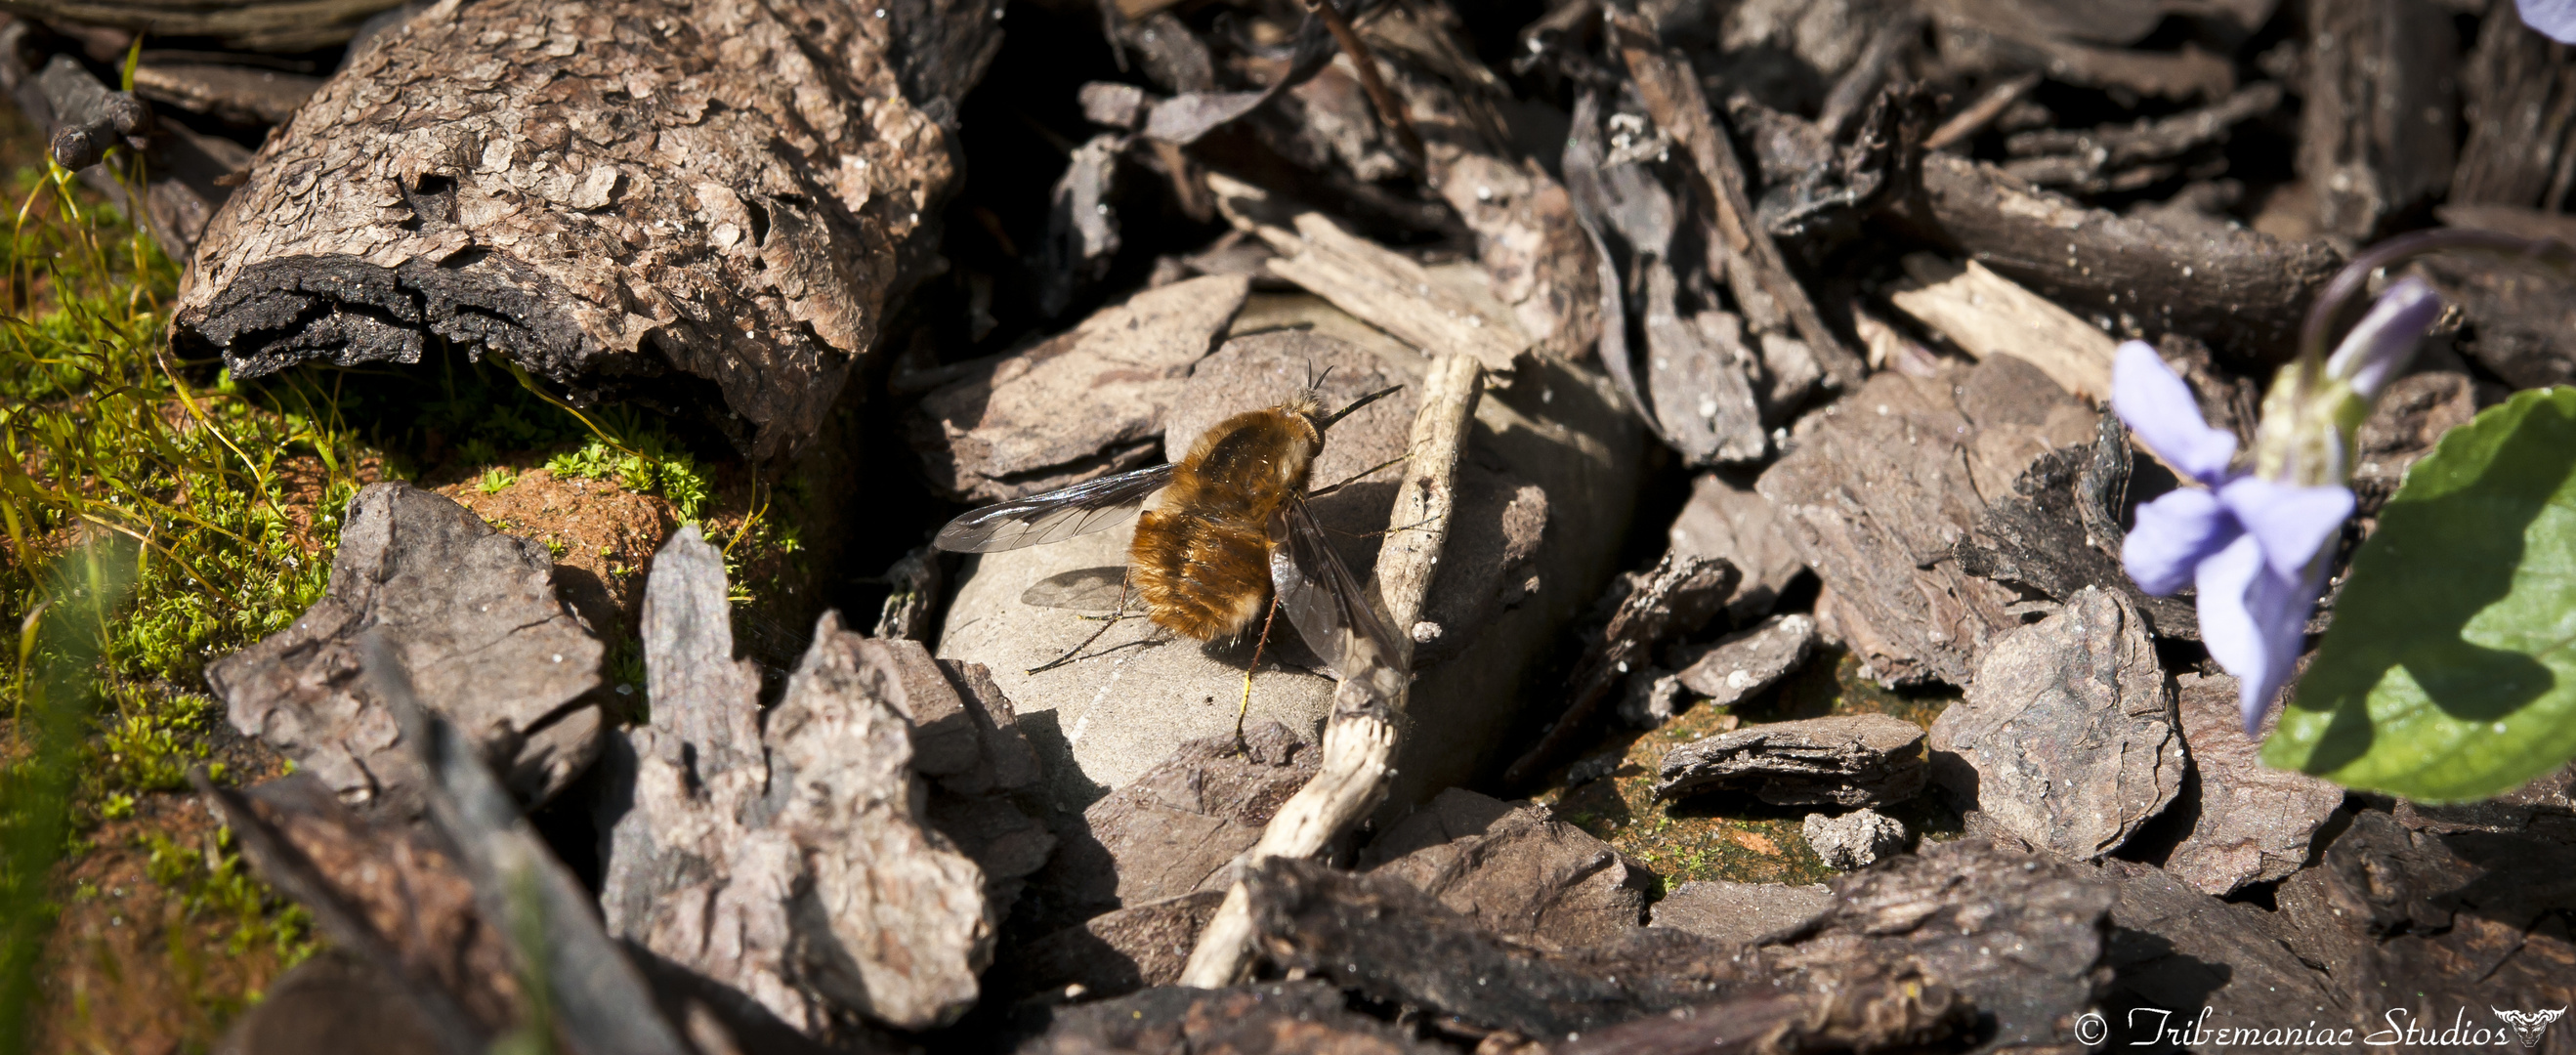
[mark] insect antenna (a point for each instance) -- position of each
(1360, 402)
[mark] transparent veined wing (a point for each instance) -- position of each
(1054, 516)
(1317, 590)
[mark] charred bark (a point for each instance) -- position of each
(623, 199)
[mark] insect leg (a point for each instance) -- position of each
(1246, 707)
(1356, 477)
(1115, 615)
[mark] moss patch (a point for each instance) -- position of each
(1733, 837)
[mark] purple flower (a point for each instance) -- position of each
(2252, 544)
(2555, 19)
(2249, 544)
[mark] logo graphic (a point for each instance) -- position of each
(2091, 1028)
(2528, 1025)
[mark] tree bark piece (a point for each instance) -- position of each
(2248, 823)
(786, 856)
(1880, 485)
(2067, 739)
(2059, 531)
(472, 612)
(2176, 950)
(2019, 935)
(1749, 661)
(2245, 293)
(241, 95)
(1680, 595)
(1725, 519)
(2519, 91)
(2378, 132)
(2113, 159)
(1758, 273)
(1079, 405)
(1303, 1016)
(637, 198)
(1843, 760)
(1380, 286)
(279, 26)
(1988, 315)
(1516, 869)
(1382, 937)
(1742, 913)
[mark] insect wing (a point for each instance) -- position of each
(1054, 516)
(1322, 599)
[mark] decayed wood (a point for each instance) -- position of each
(1756, 271)
(1373, 283)
(1988, 314)
(635, 198)
(2245, 293)
(247, 25)
(1368, 707)
(2518, 91)
(2377, 140)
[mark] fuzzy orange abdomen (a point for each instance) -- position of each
(1207, 578)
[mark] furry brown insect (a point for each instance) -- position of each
(1224, 536)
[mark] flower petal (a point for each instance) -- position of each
(2159, 407)
(2290, 522)
(2555, 19)
(2173, 535)
(2380, 345)
(2253, 622)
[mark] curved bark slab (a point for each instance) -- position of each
(616, 197)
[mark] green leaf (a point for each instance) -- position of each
(2450, 670)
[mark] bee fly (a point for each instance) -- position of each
(1224, 537)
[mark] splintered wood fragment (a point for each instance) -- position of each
(1380, 286)
(1968, 122)
(1988, 315)
(1673, 98)
(1368, 710)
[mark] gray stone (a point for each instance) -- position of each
(472, 615)
(1843, 760)
(1742, 913)
(1854, 840)
(2067, 738)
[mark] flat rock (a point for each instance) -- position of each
(1514, 868)
(1880, 485)
(2067, 739)
(471, 612)
(788, 855)
(1853, 840)
(2019, 935)
(2248, 822)
(1843, 760)
(1723, 519)
(1742, 913)
(1085, 403)
(1747, 662)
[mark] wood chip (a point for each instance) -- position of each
(1842, 760)
(1986, 314)
(470, 611)
(1742, 913)
(2067, 738)
(1516, 869)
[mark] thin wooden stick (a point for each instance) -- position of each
(1390, 109)
(1368, 710)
